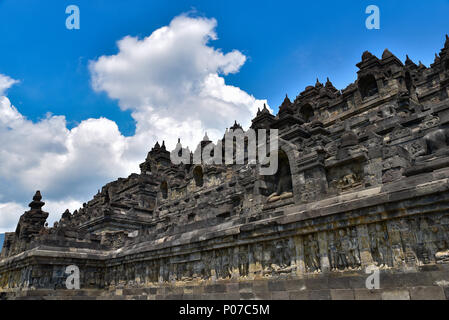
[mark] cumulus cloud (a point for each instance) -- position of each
(9, 215)
(5, 83)
(10, 212)
(173, 81)
(68, 166)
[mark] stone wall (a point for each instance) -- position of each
(401, 229)
(362, 181)
(427, 283)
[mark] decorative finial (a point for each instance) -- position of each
(409, 61)
(36, 204)
(37, 196)
(386, 54)
(366, 55)
(265, 109)
(66, 215)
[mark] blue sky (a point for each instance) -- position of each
(288, 45)
(87, 105)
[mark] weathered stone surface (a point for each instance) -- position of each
(363, 180)
(396, 295)
(342, 294)
(365, 294)
(427, 293)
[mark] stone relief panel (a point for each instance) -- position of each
(380, 245)
(406, 242)
(312, 253)
(343, 249)
(345, 177)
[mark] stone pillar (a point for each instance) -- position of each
(147, 275)
(396, 246)
(255, 255)
(161, 272)
(311, 179)
(235, 273)
(324, 256)
(300, 263)
(213, 273)
(173, 271)
(138, 275)
(366, 258)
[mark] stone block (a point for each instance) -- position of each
(247, 296)
(427, 293)
(299, 295)
(260, 286)
(232, 287)
(230, 296)
(396, 295)
(357, 282)
(280, 295)
(317, 283)
(245, 287)
(198, 290)
(295, 285)
(173, 297)
(342, 294)
(365, 294)
(319, 295)
(262, 295)
(274, 285)
(339, 282)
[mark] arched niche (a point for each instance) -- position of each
(408, 82)
(280, 185)
(164, 190)
(198, 176)
(306, 112)
(283, 178)
(368, 86)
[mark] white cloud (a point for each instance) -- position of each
(172, 81)
(6, 83)
(10, 213)
(68, 166)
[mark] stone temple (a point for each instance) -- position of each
(363, 181)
